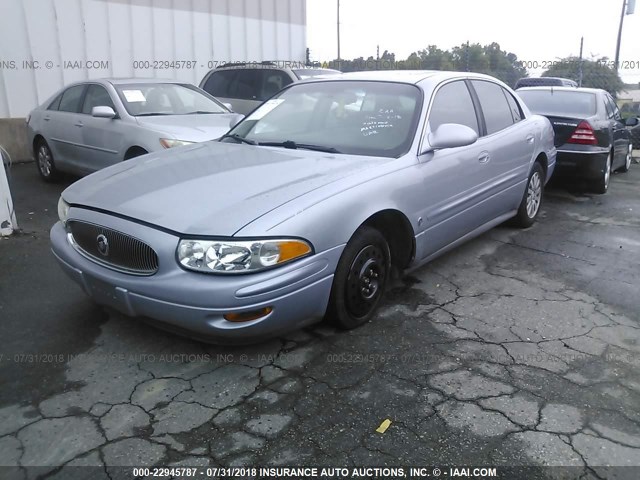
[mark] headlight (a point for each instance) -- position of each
(171, 142)
(63, 210)
(239, 256)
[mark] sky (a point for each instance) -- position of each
(536, 31)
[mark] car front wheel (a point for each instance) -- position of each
(360, 279)
(45, 163)
(532, 199)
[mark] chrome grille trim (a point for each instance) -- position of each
(127, 254)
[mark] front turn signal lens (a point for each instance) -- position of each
(291, 250)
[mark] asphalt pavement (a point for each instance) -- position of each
(520, 348)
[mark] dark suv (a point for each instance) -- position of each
(246, 85)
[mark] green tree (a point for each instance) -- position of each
(431, 58)
(596, 73)
(489, 59)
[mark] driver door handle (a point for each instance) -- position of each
(484, 157)
(78, 124)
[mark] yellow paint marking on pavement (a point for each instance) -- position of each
(383, 426)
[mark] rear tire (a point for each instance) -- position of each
(360, 279)
(627, 160)
(602, 184)
(532, 199)
(45, 163)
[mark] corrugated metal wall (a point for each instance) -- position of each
(45, 44)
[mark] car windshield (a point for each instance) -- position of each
(560, 103)
(353, 117)
(150, 99)
(304, 73)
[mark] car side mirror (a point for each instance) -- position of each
(632, 121)
(103, 112)
(228, 105)
(451, 135)
(237, 118)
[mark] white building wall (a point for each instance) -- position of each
(63, 41)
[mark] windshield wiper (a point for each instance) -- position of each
(153, 114)
(239, 138)
(201, 112)
(305, 146)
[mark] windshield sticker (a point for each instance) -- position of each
(265, 108)
(134, 96)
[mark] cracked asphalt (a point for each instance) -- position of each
(519, 348)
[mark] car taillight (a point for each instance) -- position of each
(584, 135)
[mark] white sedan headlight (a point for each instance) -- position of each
(171, 142)
(63, 210)
(222, 256)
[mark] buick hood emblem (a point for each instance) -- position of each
(103, 245)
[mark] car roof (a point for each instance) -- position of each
(403, 76)
(267, 64)
(123, 80)
(561, 89)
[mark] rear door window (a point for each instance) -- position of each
(516, 111)
(612, 109)
(70, 101)
(56, 103)
(495, 107)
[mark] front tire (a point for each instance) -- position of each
(602, 184)
(134, 152)
(360, 279)
(532, 199)
(45, 163)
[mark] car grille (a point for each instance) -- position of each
(122, 252)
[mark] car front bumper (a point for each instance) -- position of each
(581, 162)
(195, 303)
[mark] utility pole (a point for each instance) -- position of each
(580, 64)
(466, 56)
(338, 31)
(628, 7)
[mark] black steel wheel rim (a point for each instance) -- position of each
(365, 281)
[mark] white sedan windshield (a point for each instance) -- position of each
(150, 99)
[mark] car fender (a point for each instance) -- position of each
(323, 218)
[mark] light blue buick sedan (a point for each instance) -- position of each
(301, 212)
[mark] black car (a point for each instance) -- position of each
(590, 135)
(545, 82)
(631, 111)
(633, 124)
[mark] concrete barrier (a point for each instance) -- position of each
(8, 221)
(13, 138)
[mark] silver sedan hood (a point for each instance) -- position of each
(192, 128)
(211, 188)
